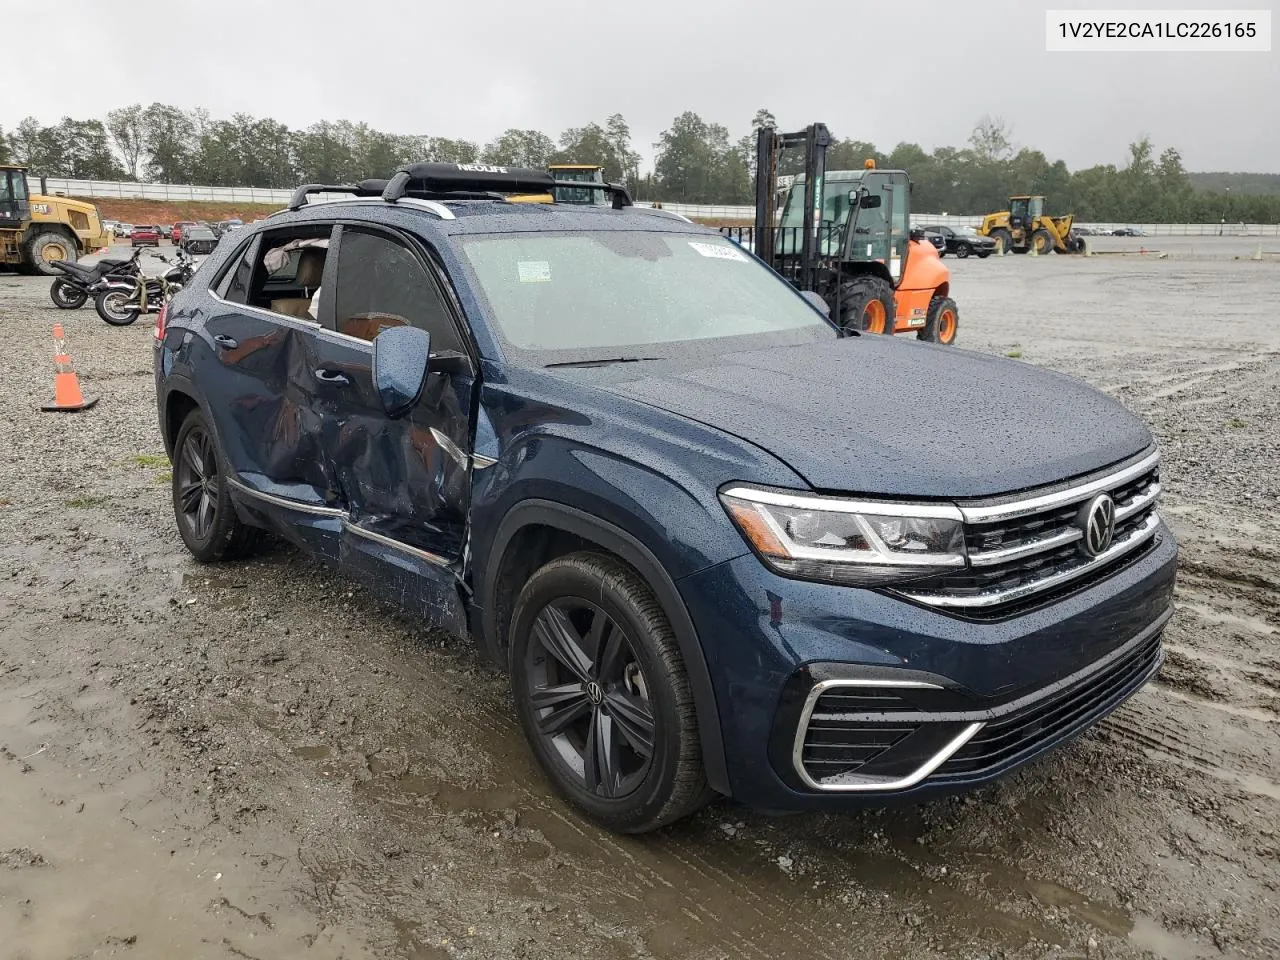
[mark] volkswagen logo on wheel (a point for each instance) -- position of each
(594, 692)
(1097, 520)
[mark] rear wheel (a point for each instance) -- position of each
(44, 249)
(943, 321)
(1042, 242)
(116, 307)
(963, 250)
(207, 520)
(866, 305)
(603, 696)
(1003, 239)
(66, 296)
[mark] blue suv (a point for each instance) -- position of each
(720, 545)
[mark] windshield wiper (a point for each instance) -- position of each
(599, 363)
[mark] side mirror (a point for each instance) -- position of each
(400, 357)
(816, 301)
(870, 201)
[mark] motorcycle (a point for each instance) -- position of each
(79, 281)
(121, 300)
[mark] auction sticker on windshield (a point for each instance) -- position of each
(534, 271)
(718, 251)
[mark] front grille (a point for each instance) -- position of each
(1028, 551)
(1003, 741)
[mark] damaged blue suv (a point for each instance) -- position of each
(720, 545)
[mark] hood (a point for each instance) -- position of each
(883, 417)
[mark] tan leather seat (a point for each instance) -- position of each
(310, 272)
(366, 326)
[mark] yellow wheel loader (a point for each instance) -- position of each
(1025, 227)
(37, 230)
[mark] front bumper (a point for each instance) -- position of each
(838, 697)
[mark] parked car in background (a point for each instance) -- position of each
(198, 240)
(223, 227)
(177, 229)
(164, 230)
(123, 229)
(701, 573)
(144, 235)
(961, 241)
(1128, 232)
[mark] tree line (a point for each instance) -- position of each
(696, 161)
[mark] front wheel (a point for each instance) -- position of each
(117, 307)
(67, 296)
(866, 305)
(1042, 242)
(603, 695)
(45, 249)
(943, 321)
(1003, 239)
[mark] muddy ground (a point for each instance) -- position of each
(256, 760)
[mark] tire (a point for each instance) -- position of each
(866, 305)
(67, 297)
(202, 507)
(47, 246)
(983, 254)
(626, 686)
(942, 323)
(1003, 239)
(963, 250)
(108, 305)
(1043, 242)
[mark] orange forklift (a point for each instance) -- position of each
(846, 234)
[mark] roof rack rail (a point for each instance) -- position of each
(365, 188)
(443, 181)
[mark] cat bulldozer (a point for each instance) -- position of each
(37, 230)
(846, 236)
(1025, 228)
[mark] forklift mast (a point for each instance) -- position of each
(815, 139)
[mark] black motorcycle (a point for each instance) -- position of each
(80, 281)
(121, 300)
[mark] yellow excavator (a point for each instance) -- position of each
(576, 172)
(36, 230)
(1025, 227)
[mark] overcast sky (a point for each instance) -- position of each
(922, 71)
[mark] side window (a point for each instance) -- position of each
(281, 271)
(381, 284)
(234, 287)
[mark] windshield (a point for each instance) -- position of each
(965, 231)
(612, 294)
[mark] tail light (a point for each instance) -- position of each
(161, 319)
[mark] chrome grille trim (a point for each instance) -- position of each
(1023, 508)
(992, 598)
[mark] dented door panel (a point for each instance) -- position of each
(404, 483)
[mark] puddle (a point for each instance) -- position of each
(312, 753)
(1166, 944)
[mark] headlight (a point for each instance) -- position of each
(846, 541)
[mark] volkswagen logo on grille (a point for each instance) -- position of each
(1097, 521)
(594, 693)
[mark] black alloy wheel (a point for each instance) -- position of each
(591, 697)
(197, 483)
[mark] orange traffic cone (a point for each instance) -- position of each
(66, 385)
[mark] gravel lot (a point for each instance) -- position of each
(257, 760)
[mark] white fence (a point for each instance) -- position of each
(175, 192)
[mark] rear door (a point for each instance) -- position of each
(404, 483)
(261, 343)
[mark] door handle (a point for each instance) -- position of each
(227, 343)
(335, 377)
